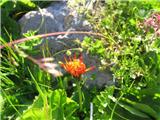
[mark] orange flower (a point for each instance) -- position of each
(75, 66)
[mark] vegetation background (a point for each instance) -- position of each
(130, 49)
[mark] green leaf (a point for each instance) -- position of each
(102, 101)
(2, 2)
(34, 114)
(70, 107)
(62, 107)
(10, 26)
(133, 110)
(34, 111)
(132, 21)
(29, 45)
(28, 3)
(142, 108)
(58, 99)
(1, 103)
(129, 108)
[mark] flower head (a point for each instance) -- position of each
(75, 66)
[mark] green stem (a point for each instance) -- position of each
(61, 83)
(115, 105)
(79, 93)
(113, 110)
(11, 103)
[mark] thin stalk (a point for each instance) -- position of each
(11, 104)
(44, 96)
(79, 93)
(49, 34)
(113, 110)
(118, 114)
(60, 81)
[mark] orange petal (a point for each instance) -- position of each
(81, 58)
(65, 59)
(91, 68)
(75, 56)
(70, 59)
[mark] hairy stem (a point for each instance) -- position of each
(79, 93)
(47, 35)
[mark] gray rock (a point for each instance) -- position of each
(96, 77)
(56, 18)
